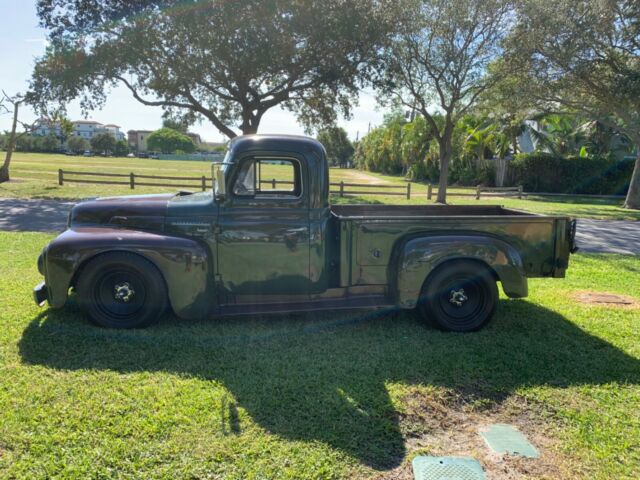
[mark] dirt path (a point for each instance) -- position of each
(358, 176)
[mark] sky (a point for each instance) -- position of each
(22, 41)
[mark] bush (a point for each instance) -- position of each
(546, 173)
(471, 172)
(77, 144)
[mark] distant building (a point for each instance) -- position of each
(138, 139)
(114, 130)
(85, 128)
(195, 138)
(81, 128)
(44, 127)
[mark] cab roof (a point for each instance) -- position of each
(292, 143)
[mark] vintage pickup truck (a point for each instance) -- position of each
(258, 245)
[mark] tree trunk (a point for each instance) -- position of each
(633, 195)
(4, 170)
(446, 150)
(445, 157)
(250, 121)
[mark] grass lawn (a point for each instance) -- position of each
(331, 395)
(36, 176)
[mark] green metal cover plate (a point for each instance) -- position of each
(503, 438)
(447, 468)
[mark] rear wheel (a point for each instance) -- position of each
(122, 290)
(459, 296)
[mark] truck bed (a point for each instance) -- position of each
(400, 211)
(370, 236)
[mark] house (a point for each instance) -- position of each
(195, 138)
(138, 139)
(86, 128)
(114, 130)
(44, 127)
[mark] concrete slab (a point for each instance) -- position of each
(502, 438)
(447, 468)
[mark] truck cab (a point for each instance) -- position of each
(266, 240)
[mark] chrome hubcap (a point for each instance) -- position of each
(123, 292)
(458, 297)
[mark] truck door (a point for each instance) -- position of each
(263, 230)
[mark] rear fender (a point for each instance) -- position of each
(420, 256)
(184, 263)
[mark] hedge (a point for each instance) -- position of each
(541, 172)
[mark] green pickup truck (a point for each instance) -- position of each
(258, 245)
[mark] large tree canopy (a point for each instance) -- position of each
(228, 61)
(583, 56)
(167, 140)
(438, 63)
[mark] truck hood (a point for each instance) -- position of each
(145, 212)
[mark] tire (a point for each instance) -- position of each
(122, 290)
(459, 296)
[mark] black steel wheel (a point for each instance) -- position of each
(122, 290)
(459, 296)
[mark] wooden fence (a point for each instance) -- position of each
(370, 189)
(132, 179)
(342, 189)
(478, 191)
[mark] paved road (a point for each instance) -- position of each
(608, 236)
(18, 215)
(612, 236)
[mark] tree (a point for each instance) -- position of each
(77, 144)
(227, 61)
(561, 135)
(584, 56)
(15, 101)
(103, 142)
(121, 148)
(339, 147)
(440, 58)
(66, 127)
(179, 123)
(166, 140)
(49, 143)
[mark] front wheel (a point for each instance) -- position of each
(122, 290)
(459, 296)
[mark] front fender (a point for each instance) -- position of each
(183, 262)
(420, 256)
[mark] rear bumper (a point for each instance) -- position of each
(40, 294)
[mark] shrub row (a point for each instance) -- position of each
(542, 172)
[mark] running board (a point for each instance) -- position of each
(368, 302)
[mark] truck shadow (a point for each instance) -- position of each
(324, 378)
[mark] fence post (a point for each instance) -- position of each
(204, 183)
(429, 191)
(409, 191)
(273, 183)
(132, 180)
(520, 191)
(478, 192)
(342, 188)
(60, 177)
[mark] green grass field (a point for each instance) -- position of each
(321, 396)
(332, 395)
(36, 176)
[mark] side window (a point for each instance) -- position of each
(265, 177)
